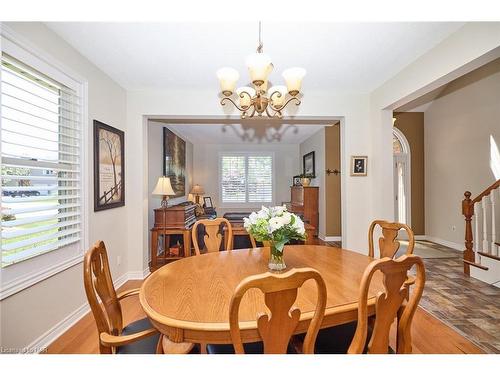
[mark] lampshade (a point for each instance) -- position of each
(163, 187)
(277, 99)
(293, 78)
(259, 66)
(227, 79)
(245, 100)
(198, 190)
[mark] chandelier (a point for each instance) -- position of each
(258, 99)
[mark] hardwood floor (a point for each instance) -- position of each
(429, 334)
(82, 337)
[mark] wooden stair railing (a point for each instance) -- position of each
(484, 248)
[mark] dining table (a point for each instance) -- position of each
(188, 300)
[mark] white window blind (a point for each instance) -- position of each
(40, 163)
(247, 178)
(260, 179)
(233, 175)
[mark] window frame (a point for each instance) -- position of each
(246, 154)
(21, 275)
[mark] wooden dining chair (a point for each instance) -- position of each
(388, 243)
(214, 235)
(138, 337)
(359, 337)
(280, 293)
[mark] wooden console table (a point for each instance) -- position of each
(159, 259)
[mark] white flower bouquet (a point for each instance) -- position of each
(276, 226)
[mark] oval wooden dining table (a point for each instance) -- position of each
(188, 300)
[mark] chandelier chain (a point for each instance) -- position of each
(260, 48)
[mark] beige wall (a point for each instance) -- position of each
(332, 181)
(29, 314)
(459, 128)
(411, 125)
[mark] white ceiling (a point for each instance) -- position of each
(338, 56)
(243, 133)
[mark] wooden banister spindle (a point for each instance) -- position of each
(486, 245)
(476, 228)
(468, 212)
(493, 248)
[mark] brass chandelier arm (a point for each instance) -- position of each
(284, 105)
(277, 113)
(222, 102)
(243, 93)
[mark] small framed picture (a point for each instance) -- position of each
(359, 165)
(296, 181)
(207, 202)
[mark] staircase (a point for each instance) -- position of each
(482, 237)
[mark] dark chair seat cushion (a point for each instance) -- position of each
(144, 346)
(250, 348)
(336, 340)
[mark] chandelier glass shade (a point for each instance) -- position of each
(259, 100)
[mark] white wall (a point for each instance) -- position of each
(155, 168)
(316, 143)
(27, 315)
(459, 155)
(206, 170)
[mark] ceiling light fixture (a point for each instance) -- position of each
(258, 99)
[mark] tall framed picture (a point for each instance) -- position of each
(109, 167)
(174, 161)
(309, 165)
(359, 165)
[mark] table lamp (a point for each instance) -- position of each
(164, 188)
(197, 190)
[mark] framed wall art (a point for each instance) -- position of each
(359, 165)
(109, 167)
(309, 165)
(174, 161)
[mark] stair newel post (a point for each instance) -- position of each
(468, 212)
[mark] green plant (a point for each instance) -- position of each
(306, 175)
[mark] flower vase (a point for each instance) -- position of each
(276, 258)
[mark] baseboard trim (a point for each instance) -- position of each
(43, 341)
(333, 238)
(329, 238)
(439, 241)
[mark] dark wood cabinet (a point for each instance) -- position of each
(304, 201)
(172, 221)
(180, 216)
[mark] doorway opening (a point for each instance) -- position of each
(402, 177)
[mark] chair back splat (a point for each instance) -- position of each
(388, 304)
(280, 293)
(214, 235)
(388, 243)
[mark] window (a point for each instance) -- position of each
(40, 164)
(246, 178)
